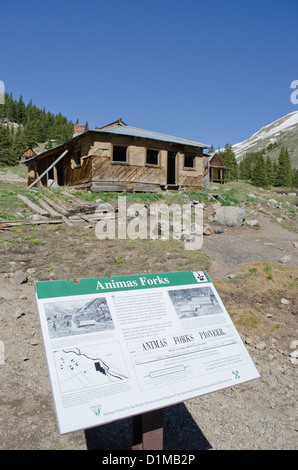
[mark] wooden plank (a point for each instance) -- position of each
(148, 431)
(53, 213)
(74, 200)
(87, 219)
(56, 206)
(137, 422)
(34, 207)
(48, 208)
(153, 430)
(48, 169)
(7, 224)
(66, 221)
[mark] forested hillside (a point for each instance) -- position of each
(23, 126)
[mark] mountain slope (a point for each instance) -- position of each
(272, 137)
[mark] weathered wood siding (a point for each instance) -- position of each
(95, 168)
(80, 174)
(190, 177)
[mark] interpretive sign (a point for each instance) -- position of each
(121, 346)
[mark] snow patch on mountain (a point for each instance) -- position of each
(268, 134)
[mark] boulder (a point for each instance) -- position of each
(285, 260)
(229, 215)
(207, 230)
(273, 202)
(219, 230)
(20, 277)
(252, 223)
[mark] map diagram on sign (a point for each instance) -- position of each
(89, 366)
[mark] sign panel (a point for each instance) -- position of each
(121, 346)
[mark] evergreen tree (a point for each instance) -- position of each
(275, 166)
(258, 174)
(211, 150)
(20, 111)
(36, 125)
(295, 178)
(269, 171)
(19, 144)
(6, 157)
(30, 134)
(9, 107)
(229, 159)
(284, 170)
(246, 165)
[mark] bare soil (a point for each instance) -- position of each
(245, 265)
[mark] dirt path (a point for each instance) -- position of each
(270, 242)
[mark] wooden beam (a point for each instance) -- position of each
(48, 208)
(32, 206)
(56, 206)
(5, 225)
(148, 431)
(54, 213)
(87, 219)
(66, 221)
(48, 169)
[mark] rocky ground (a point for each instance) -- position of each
(254, 268)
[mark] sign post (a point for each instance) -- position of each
(148, 431)
(129, 346)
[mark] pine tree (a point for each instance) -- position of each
(258, 174)
(19, 144)
(229, 159)
(246, 165)
(30, 134)
(284, 170)
(6, 157)
(295, 178)
(36, 125)
(20, 111)
(275, 166)
(269, 171)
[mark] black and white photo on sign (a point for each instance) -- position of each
(78, 317)
(194, 302)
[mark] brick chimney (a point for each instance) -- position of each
(78, 129)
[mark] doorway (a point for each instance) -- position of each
(171, 172)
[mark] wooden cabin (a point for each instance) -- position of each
(29, 153)
(218, 172)
(118, 157)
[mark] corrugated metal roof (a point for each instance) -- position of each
(129, 131)
(135, 132)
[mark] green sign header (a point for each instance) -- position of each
(50, 289)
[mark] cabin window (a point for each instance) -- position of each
(77, 156)
(119, 154)
(189, 160)
(152, 157)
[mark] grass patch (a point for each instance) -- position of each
(247, 320)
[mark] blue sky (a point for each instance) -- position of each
(211, 71)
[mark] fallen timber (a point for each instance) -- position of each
(47, 211)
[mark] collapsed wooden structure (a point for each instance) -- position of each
(118, 157)
(64, 209)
